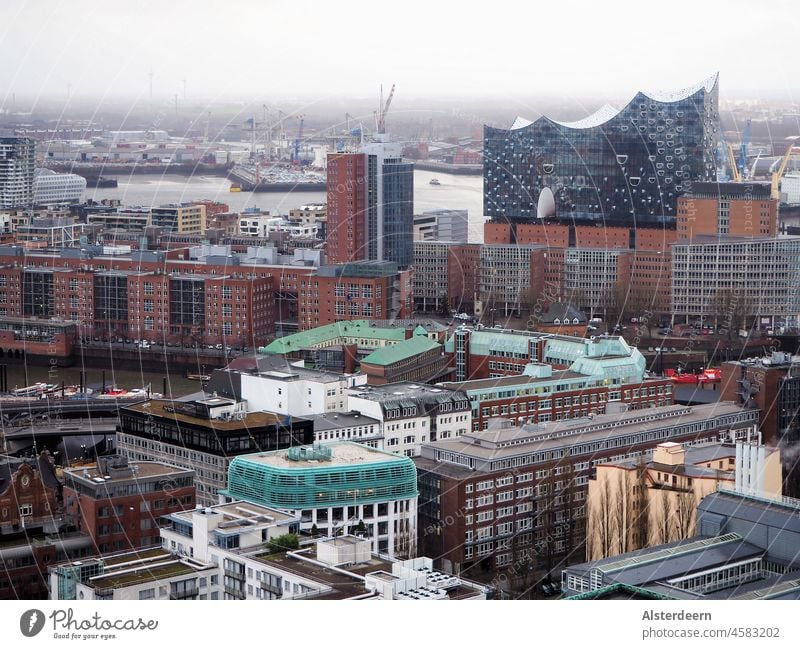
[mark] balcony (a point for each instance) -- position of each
(270, 588)
(234, 574)
(237, 593)
(190, 592)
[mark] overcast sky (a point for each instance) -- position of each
(267, 49)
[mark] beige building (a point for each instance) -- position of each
(183, 219)
(636, 503)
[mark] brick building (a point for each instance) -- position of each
(362, 290)
(728, 209)
(33, 531)
(347, 208)
(534, 377)
(162, 296)
(515, 496)
(418, 359)
(119, 504)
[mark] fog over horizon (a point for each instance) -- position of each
(99, 54)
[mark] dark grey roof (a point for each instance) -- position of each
(335, 420)
(670, 559)
(561, 311)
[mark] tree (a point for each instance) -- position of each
(684, 514)
(641, 507)
(283, 543)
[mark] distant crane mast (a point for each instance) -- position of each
(383, 110)
(781, 169)
(743, 166)
(296, 149)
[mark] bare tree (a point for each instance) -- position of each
(684, 514)
(641, 507)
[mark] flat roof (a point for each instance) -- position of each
(335, 420)
(343, 454)
(157, 407)
(515, 440)
(238, 511)
(139, 470)
(398, 391)
(522, 379)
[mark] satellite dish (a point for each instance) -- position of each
(547, 204)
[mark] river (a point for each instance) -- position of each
(453, 192)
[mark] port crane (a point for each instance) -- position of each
(777, 174)
(297, 140)
(743, 168)
(383, 109)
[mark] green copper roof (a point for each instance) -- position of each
(354, 473)
(400, 351)
(344, 332)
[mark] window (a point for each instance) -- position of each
(148, 593)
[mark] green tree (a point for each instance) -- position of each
(283, 543)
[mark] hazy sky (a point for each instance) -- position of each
(267, 49)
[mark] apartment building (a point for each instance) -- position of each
(754, 281)
(204, 433)
(412, 414)
(516, 494)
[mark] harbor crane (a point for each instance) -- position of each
(777, 174)
(743, 167)
(297, 140)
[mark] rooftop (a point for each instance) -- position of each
(238, 514)
(401, 351)
(352, 329)
(335, 420)
(506, 439)
(161, 408)
(111, 473)
(342, 454)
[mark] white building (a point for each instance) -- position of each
(286, 389)
(411, 415)
(258, 225)
(51, 188)
(17, 156)
(758, 278)
(335, 487)
(152, 573)
(347, 426)
(790, 189)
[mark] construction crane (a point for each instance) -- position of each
(296, 148)
(743, 148)
(380, 114)
(777, 175)
(734, 170)
(752, 174)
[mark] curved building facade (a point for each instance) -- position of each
(335, 486)
(51, 187)
(625, 166)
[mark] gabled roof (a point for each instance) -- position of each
(560, 311)
(400, 351)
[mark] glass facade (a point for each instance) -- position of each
(398, 212)
(626, 167)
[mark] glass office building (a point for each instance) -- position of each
(625, 166)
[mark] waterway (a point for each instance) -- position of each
(453, 192)
(22, 375)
